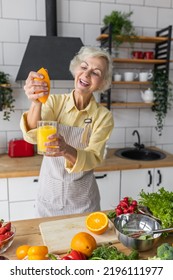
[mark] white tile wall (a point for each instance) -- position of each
(19, 9)
(89, 12)
(28, 28)
(80, 18)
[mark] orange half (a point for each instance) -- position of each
(97, 222)
(46, 79)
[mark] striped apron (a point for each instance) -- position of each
(61, 193)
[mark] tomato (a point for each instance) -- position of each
(2, 237)
(37, 253)
(21, 251)
(5, 228)
(8, 234)
(37, 257)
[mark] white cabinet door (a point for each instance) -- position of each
(23, 188)
(109, 185)
(150, 180)
(163, 177)
(22, 210)
(3, 189)
(133, 181)
(4, 211)
(22, 195)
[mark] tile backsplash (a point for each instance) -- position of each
(21, 18)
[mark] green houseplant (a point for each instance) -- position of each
(122, 27)
(162, 89)
(6, 97)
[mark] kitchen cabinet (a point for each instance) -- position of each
(109, 186)
(22, 194)
(162, 47)
(17, 198)
(4, 209)
(150, 180)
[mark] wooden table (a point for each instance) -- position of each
(27, 232)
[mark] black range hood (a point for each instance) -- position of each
(51, 52)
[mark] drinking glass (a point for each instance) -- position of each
(44, 129)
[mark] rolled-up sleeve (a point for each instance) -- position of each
(31, 135)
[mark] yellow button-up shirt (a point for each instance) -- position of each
(61, 108)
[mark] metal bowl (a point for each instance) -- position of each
(126, 223)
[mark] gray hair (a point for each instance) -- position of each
(94, 52)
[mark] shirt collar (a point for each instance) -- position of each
(92, 106)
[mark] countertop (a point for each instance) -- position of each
(30, 166)
(27, 232)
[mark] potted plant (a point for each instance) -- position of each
(6, 97)
(163, 98)
(122, 27)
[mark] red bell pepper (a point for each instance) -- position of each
(74, 255)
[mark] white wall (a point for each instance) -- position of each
(82, 18)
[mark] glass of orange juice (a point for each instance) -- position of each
(44, 129)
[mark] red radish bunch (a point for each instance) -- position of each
(126, 205)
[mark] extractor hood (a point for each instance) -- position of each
(51, 51)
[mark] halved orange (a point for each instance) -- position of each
(97, 222)
(46, 78)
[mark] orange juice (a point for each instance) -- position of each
(43, 131)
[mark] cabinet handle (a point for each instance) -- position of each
(160, 178)
(150, 178)
(101, 177)
(35, 180)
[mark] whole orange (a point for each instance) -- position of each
(22, 251)
(84, 243)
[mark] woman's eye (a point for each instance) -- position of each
(96, 73)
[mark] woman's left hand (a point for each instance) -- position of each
(56, 146)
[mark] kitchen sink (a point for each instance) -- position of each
(140, 154)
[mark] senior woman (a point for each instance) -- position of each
(66, 182)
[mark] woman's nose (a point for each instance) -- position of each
(87, 73)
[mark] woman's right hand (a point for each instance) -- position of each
(35, 88)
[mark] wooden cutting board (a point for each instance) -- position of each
(57, 234)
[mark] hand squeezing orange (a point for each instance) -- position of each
(46, 79)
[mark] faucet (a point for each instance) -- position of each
(138, 145)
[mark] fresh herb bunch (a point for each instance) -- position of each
(6, 97)
(121, 25)
(163, 98)
(160, 204)
(108, 252)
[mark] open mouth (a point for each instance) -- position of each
(83, 83)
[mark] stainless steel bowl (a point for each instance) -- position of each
(126, 223)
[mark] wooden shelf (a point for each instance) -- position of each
(131, 104)
(141, 61)
(131, 83)
(5, 85)
(138, 39)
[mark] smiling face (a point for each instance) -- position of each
(89, 75)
